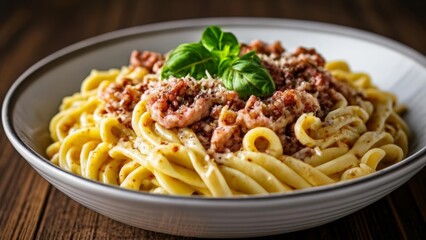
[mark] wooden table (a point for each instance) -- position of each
(31, 208)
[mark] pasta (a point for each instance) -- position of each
(124, 143)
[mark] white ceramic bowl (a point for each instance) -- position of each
(34, 98)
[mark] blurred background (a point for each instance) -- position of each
(29, 30)
(44, 26)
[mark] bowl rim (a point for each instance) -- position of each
(37, 161)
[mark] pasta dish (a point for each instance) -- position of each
(221, 118)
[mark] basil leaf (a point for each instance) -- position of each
(189, 58)
(220, 43)
(224, 64)
(247, 78)
(251, 56)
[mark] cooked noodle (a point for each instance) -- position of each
(317, 143)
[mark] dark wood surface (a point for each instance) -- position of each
(30, 208)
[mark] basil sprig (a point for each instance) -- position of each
(218, 53)
(189, 58)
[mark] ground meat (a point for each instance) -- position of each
(310, 53)
(204, 130)
(273, 50)
(228, 134)
(153, 61)
(121, 98)
(179, 103)
(277, 111)
(303, 70)
(182, 102)
(218, 116)
(289, 141)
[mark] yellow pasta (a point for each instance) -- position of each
(350, 141)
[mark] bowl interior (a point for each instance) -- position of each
(38, 96)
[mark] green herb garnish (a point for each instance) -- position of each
(189, 58)
(218, 53)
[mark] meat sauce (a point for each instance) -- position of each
(218, 116)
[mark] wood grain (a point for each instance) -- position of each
(29, 30)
